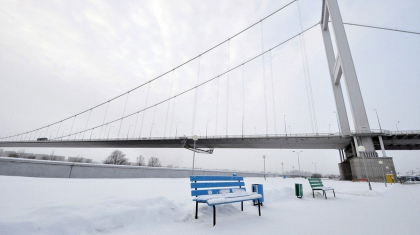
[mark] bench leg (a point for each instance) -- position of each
(334, 192)
(325, 194)
(196, 210)
(259, 207)
(313, 194)
(242, 206)
(214, 216)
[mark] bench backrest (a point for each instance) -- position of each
(315, 182)
(207, 185)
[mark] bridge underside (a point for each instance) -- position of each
(391, 142)
(332, 142)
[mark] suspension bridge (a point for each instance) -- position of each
(95, 129)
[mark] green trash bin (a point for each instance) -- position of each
(298, 190)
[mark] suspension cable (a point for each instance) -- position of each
(311, 105)
(211, 79)
(383, 28)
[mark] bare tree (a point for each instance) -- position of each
(154, 162)
(31, 156)
(140, 161)
(14, 155)
(117, 158)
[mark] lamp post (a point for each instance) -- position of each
(397, 125)
(362, 149)
(382, 167)
(264, 167)
(176, 130)
(206, 126)
(293, 172)
(282, 168)
(298, 158)
(195, 138)
(380, 128)
(315, 166)
(285, 130)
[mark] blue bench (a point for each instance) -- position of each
(218, 190)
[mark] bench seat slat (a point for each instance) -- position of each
(215, 178)
(216, 184)
(219, 201)
(212, 191)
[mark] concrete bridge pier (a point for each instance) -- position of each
(352, 166)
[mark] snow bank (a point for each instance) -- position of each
(164, 206)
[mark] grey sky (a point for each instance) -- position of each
(62, 57)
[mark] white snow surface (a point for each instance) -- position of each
(165, 206)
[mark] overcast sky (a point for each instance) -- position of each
(58, 58)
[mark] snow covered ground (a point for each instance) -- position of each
(164, 206)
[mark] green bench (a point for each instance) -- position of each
(316, 184)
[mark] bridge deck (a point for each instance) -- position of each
(392, 141)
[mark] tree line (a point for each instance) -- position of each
(118, 158)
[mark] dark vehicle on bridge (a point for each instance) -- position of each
(42, 139)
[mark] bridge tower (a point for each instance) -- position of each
(341, 64)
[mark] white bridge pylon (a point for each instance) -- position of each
(339, 65)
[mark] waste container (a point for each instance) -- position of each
(390, 178)
(258, 188)
(298, 190)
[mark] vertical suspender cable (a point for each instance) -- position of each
(307, 76)
(153, 122)
(167, 110)
(227, 91)
(243, 98)
(46, 132)
(272, 91)
(58, 130)
(86, 124)
(72, 126)
(217, 103)
(265, 89)
(195, 98)
(135, 125)
(106, 111)
(173, 114)
(122, 118)
(145, 104)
